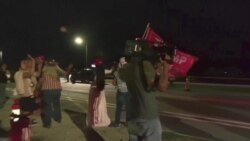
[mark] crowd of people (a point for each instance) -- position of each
(39, 89)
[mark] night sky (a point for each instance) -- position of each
(214, 30)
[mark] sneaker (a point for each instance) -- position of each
(115, 125)
(58, 121)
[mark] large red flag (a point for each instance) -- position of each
(182, 63)
(153, 38)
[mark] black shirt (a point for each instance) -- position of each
(3, 77)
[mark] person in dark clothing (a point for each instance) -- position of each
(143, 118)
(3, 83)
(69, 70)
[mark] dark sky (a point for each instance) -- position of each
(32, 26)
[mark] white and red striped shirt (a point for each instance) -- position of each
(50, 82)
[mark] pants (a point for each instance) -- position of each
(52, 106)
(141, 130)
(121, 99)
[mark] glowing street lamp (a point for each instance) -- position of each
(79, 41)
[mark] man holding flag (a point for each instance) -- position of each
(163, 58)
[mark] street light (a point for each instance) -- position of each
(79, 41)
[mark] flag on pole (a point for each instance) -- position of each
(182, 63)
(152, 37)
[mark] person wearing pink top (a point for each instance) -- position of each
(97, 115)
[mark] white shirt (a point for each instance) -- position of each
(122, 86)
(24, 86)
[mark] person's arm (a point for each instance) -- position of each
(19, 83)
(122, 72)
(39, 70)
(149, 72)
(114, 82)
(61, 71)
(163, 79)
(33, 63)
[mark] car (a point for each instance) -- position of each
(85, 75)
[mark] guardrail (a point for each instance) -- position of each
(209, 79)
(224, 80)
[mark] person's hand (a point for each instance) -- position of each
(30, 57)
(160, 59)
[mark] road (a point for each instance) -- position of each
(209, 117)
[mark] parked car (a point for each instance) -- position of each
(85, 75)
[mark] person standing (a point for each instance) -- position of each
(40, 61)
(69, 70)
(122, 93)
(51, 92)
(139, 75)
(97, 108)
(163, 83)
(25, 81)
(3, 83)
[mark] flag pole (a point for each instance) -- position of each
(144, 34)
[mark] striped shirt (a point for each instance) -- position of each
(50, 82)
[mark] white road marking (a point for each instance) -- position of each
(225, 122)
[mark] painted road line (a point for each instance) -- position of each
(224, 122)
(69, 98)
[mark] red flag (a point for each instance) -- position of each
(182, 63)
(151, 36)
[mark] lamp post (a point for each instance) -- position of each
(79, 41)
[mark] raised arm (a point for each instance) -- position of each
(33, 63)
(61, 71)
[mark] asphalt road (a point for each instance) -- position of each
(202, 113)
(213, 117)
